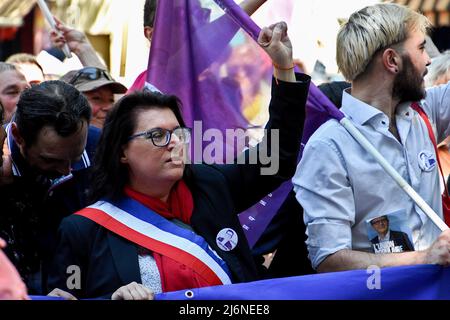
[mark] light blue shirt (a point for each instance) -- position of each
(341, 186)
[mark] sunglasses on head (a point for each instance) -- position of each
(90, 73)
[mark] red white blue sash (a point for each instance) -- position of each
(135, 222)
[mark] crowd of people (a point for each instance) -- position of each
(99, 202)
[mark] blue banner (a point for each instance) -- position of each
(423, 282)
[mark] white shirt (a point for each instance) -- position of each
(387, 237)
(341, 186)
(149, 273)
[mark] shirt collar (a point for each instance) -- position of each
(361, 112)
(20, 166)
(387, 237)
(357, 110)
(404, 110)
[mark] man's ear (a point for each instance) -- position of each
(148, 32)
(17, 136)
(391, 60)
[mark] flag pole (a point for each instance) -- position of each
(394, 174)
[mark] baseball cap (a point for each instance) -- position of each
(91, 78)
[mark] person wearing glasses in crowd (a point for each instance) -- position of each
(388, 240)
(98, 87)
(44, 174)
(156, 222)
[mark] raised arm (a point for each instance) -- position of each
(249, 180)
(78, 43)
(275, 41)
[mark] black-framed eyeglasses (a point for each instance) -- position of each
(90, 73)
(379, 221)
(161, 137)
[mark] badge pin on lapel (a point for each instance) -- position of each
(427, 160)
(227, 239)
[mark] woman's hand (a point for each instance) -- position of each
(275, 41)
(133, 291)
(62, 294)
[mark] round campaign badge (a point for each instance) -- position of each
(427, 160)
(227, 239)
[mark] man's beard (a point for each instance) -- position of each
(408, 84)
(47, 174)
(35, 171)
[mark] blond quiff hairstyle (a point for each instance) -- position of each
(371, 29)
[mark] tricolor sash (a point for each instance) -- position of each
(137, 223)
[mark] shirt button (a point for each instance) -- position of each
(183, 267)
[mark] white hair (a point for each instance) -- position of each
(439, 66)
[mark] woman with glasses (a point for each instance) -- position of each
(158, 224)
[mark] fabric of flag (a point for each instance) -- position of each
(198, 53)
(204, 52)
(319, 109)
(421, 282)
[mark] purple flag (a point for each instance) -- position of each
(319, 109)
(190, 47)
(205, 53)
